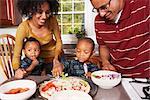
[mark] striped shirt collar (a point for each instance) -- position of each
(118, 17)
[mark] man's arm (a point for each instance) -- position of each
(105, 57)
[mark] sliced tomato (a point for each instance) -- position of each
(47, 86)
(50, 84)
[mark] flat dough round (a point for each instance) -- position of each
(48, 88)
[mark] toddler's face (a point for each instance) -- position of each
(32, 50)
(83, 51)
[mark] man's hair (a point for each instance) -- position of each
(89, 40)
(30, 39)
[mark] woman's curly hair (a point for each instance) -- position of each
(28, 7)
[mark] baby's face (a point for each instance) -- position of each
(83, 51)
(32, 50)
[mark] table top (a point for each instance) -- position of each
(116, 93)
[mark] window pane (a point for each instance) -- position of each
(67, 18)
(71, 15)
(65, 0)
(58, 19)
(78, 18)
(67, 29)
(79, 6)
(66, 7)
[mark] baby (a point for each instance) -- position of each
(31, 64)
(81, 66)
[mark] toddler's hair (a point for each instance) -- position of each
(89, 40)
(30, 39)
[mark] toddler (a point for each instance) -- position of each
(31, 63)
(81, 66)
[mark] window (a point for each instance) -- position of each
(71, 15)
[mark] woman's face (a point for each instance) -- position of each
(42, 14)
(108, 9)
(83, 51)
(32, 50)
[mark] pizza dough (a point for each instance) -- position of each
(48, 88)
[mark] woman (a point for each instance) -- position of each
(42, 25)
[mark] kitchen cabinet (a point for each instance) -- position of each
(9, 15)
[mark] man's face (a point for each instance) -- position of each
(108, 9)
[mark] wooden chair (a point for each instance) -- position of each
(7, 43)
(3, 76)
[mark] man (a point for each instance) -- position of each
(122, 32)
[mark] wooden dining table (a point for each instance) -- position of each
(116, 93)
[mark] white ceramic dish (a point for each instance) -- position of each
(70, 95)
(106, 79)
(31, 85)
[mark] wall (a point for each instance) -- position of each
(89, 20)
(9, 30)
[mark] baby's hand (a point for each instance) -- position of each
(88, 74)
(35, 62)
(19, 73)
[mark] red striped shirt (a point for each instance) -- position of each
(128, 40)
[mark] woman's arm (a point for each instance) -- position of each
(105, 57)
(57, 35)
(20, 35)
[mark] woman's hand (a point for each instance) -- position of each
(19, 73)
(57, 70)
(55, 62)
(108, 66)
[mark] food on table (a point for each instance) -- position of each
(17, 90)
(48, 88)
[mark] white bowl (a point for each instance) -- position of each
(70, 95)
(17, 84)
(106, 79)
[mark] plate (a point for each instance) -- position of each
(92, 92)
(94, 87)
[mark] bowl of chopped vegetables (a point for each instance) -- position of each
(106, 79)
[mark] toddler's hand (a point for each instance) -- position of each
(35, 62)
(19, 73)
(88, 74)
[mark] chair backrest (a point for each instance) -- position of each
(7, 43)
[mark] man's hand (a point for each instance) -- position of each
(108, 66)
